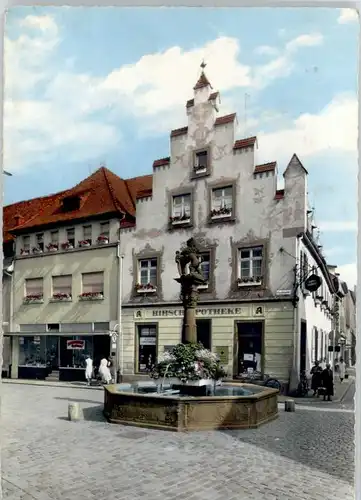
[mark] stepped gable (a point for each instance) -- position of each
(101, 193)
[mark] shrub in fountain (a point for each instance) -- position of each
(188, 365)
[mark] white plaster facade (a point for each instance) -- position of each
(260, 216)
(315, 310)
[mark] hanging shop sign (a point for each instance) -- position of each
(75, 345)
(313, 283)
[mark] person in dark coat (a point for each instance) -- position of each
(316, 373)
(327, 382)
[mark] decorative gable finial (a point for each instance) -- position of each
(202, 80)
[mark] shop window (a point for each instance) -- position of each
(32, 350)
(73, 355)
(147, 347)
(62, 287)
(250, 350)
(34, 289)
(250, 266)
(93, 285)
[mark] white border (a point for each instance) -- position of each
(209, 3)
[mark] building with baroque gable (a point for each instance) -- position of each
(67, 291)
(252, 235)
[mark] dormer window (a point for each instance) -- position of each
(71, 203)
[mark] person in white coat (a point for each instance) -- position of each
(341, 369)
(104, 371)
(88, 369)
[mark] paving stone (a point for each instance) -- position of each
(305, 455)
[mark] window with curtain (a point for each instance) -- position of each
(26, 244)
(104, 229)
(87, 234)
(54, 236)
(70, 236)
(222, 199)
(62, 286)
(34, 287)
(93, 283)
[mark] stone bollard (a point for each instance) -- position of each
(74, 411)
(290, 405)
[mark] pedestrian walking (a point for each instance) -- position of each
(88, 369)
(316, 372)
(327, 383)
(104, 371)
(341, 369)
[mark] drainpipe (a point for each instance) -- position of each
(11, 311)
(120, 343)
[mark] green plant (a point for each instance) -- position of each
(188, 362)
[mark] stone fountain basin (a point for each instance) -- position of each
(233, 406)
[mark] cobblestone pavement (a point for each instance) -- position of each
(306, 455)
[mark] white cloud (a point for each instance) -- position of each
(311, 134)
(348, 273)
(284, 64)
(338, 226)
(347, 16)
(309, 40)
(266, 50)
(152, 91)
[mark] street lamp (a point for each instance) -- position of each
(116, 336)
(5, 172)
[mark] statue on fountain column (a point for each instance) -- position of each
(190, 277)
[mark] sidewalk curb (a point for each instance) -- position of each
(346, 391)
(50, 384)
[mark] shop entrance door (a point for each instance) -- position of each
(52, 351)
(249, 348)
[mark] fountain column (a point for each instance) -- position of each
(189, 260)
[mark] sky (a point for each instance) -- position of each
(86, 87)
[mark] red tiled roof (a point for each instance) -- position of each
(222, 120)
(161, 162)
(101, 193)
(279, 194)
(245, 143)
(179, 131)
(266, 167)
(25, 210)
(213, 96)
(202, 82)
